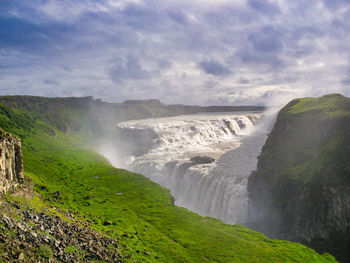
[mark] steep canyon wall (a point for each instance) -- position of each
(301, 189)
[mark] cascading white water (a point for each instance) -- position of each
(204, 160)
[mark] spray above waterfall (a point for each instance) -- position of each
(204, 159)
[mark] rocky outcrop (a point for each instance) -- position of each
(11, 163)
(202, 160)
(301, 189)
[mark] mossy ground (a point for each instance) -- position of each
(331, 105)
(68, 174)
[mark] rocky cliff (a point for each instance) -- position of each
(11, 164)
(301, 189)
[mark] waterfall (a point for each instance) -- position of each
(204, 159)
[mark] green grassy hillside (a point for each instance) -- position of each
(68, 174)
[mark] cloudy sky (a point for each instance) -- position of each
(224, 52)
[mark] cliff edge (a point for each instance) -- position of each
(11, 162)
(301, 189)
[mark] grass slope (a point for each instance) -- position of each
(70, 175)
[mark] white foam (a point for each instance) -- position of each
(217, 189)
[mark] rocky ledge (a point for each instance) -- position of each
(202, 160)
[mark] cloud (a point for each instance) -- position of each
(267, 40)
(194, 52)
(335, 4)
(213, 67)
(243, 81)
(264, 7)
(128, 68)
(53, 82)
